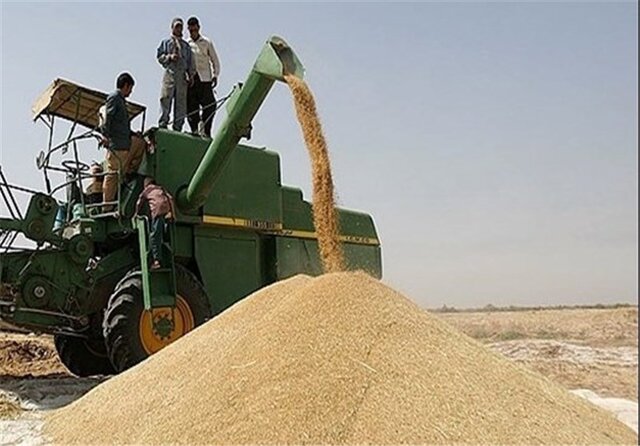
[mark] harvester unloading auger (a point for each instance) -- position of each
(85, 277)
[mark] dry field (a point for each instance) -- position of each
(24, 356)
(594, 349)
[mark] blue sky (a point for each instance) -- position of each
(495, 144)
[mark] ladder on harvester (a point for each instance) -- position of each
(158, 285)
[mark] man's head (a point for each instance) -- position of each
(125, 84)
(193, 24)
(177, 26)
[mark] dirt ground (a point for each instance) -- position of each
(594, 349)
(28, 355)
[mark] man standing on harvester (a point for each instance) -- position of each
(207, 69)
(116, 137)
(174, 54)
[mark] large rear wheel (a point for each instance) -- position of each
(132, 334)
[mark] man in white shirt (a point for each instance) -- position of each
(201, 103)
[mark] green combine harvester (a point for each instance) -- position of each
(84, 275)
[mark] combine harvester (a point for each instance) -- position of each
(86, 278)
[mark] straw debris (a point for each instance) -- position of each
(338, 359)
(325, 217)
(9, 407)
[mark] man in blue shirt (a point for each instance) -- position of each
(174, 54)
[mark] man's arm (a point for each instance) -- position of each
(190, 60)
(163, 55)
(172, 211)
(111, 107)
(215, 61)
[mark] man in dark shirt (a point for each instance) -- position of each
(116, 139)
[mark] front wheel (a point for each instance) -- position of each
(83, 357)
(128, 329)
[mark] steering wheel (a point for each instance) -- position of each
(75, 166)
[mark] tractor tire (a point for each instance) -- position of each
(127, 327)
(83, 357)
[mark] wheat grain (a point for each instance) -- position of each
(339, 359)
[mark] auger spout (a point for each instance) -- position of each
(275, 61)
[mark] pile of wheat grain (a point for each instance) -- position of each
(332, 360)
(325, 217)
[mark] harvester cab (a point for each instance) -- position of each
(84, 275)
(83, 110)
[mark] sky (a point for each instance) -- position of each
(495, 144)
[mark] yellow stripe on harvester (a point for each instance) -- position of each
(343, 238)
(241, 222)
(277, 229)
